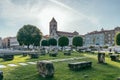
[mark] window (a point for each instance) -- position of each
(54, 25)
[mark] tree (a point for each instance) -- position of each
(63, 41)
(29, 35)
(77, 41)
(52, 42)
(117, 39)
(44, 43)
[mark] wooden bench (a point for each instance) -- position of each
(80, 65)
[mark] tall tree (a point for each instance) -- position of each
(117, 39)
(52, 42)
(29, 35)
(63, 41)
(77, 41)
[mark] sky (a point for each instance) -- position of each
(82, 16)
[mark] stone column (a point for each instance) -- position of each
(101, 57)
(118, 78)
(1, 75)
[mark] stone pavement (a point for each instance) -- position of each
(32, 63)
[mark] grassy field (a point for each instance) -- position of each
(109, 71)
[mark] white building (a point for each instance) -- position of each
(103, 37)
(13, 42)
(54, 33)
(94, 38)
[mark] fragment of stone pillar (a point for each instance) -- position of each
(67, 52)
(43, 52)
(1, 75)
(118, 78)
(53, 53)
(114, 57)
(8, 57)
(45, 68)
(24, 54)
(101, 57)
(34, 55)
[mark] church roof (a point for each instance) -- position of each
(46, 36)
(70, 34)
(53, 20)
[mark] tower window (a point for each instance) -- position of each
(54, 25)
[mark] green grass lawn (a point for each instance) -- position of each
(109, 71)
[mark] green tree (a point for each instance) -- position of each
(77, 41)
(63, 41)
(52, 42)
(29, 35)
(44, 43)
(117, 39)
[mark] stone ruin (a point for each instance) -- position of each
(118, 78)
(101, 57)
(45, 68)
(114, 57)
(42, 51)
(1, 75)
(54, 52)
(67, 52)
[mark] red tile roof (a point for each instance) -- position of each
(46, 36)
(61, 33)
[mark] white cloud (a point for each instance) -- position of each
(40, 13)
(80, 15)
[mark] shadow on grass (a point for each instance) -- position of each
(109, 71)
(62, 72)
(59, 56)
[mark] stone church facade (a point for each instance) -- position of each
(54, 33)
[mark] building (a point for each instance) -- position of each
(13, 42)
(54, 33)
(103, 37)
(94, 38)
(6, 43)
(10, 42)
(46, 37)
(0, 42)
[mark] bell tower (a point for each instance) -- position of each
(53, 27)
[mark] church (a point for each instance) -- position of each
(54, 33)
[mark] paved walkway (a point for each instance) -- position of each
(32, 63)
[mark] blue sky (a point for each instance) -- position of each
(72, 15)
